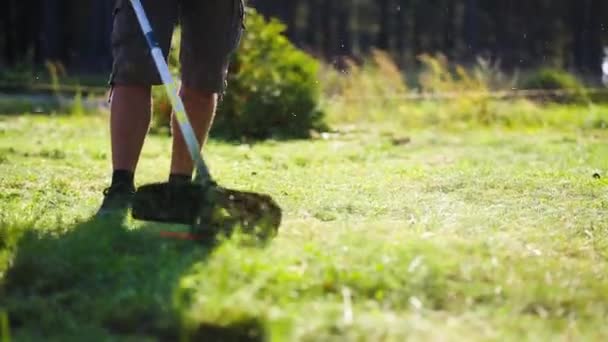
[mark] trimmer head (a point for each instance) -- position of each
(210, 210)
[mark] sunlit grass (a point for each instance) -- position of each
(390, 233)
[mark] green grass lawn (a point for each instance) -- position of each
(389, 234)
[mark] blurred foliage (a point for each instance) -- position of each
(379, 75)
(273, 86)
(522, 34)
(5, 331)
(161, 111)
(443, 94)
(439, 75)
(470, 89)
(360, 90)
(377, 90)
(161, 106)
(556, 79)
(51, 91)
(273, 91)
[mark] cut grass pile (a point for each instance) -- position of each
(389, 234)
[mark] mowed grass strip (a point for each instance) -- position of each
(389, 234)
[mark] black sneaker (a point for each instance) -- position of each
(117, 200)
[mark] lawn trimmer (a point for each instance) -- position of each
(208, 208)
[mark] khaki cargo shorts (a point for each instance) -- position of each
(211, 32)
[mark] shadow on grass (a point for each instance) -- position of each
(101, 280)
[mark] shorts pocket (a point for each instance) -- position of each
(117, 7)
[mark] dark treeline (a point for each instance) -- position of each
(520, 33)
(75, 33)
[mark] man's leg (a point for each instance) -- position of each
(129, 124)
(133, 74)
(211, 31)
(200, 106)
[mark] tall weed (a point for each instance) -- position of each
(444, 95)
(364, 91)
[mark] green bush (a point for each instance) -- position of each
(161, 106)
(161, 111)
(556, 79)
(273, 87)
(273, 91)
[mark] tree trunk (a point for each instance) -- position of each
(8, 32)
(449, 31)
(313, 23)
(597, 29)
(343, 15)
(51, 35)
(99, 47)
(471, 27)
(400, 32)
(383, 40)
(328, 42)
(291, 16)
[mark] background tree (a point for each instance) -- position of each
(522, 34)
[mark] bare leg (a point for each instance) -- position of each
(129, 124)
(200, 106)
